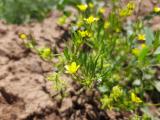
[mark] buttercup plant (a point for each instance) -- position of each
(128, 55)
(112, 56)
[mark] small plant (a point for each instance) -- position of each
(115, 57)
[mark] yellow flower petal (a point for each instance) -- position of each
(106, 24)
(72, 68)
(136, 51)
(23, 36)
(90, 20)
(131, 5)
(156, 9)
(135, 99)
(143, 46)
(141, 37)
(102, 10)
(82, 7)
(85, 33)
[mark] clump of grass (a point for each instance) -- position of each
(22, 11)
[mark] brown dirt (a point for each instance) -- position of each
(22, 85)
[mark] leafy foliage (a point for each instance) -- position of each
(113, 54)
(21, 11)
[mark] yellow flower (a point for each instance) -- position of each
(72, 68)
(143, 46)
(102, 10)
(136, 51)
(82, 7)
(106, 24)
(156, 9)
(91, 19)
(124, 12)
(62, 20)
(91, 5)
(135, 99)
(23, 36)
(141, 37)
(131, 5)
(84, 33)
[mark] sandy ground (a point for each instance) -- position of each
(23, 91)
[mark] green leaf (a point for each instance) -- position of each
(103, 89)
(66, 53)
(149, 36)
(157, 85)
(143, 54)
(157, 51)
